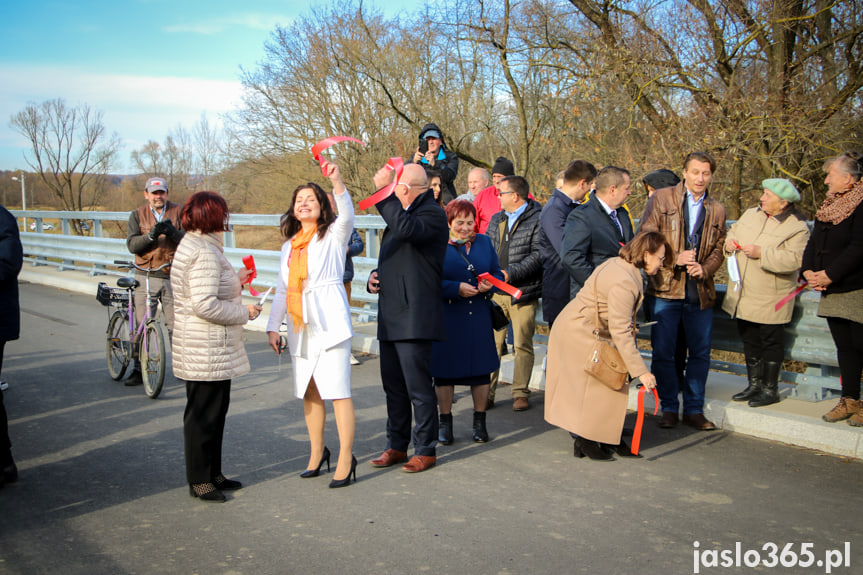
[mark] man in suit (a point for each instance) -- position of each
(596, 230)
(11, 260)
(408, 282)
(577, 179)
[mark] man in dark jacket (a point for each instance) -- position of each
(514, 232)
(11, 260)
(410, 314)
(595, 231)
(578, 178)
(437, 156)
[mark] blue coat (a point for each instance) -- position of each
(469, 347)
(555, 278)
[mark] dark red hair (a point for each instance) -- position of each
(205, 212)
(459, 208)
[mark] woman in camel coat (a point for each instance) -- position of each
(574, 400)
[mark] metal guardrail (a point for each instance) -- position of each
(807, 338)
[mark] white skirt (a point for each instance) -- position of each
(331, 367)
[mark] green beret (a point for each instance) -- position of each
(782, 188)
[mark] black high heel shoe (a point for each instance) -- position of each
(622, 449)
(592, 449)
(315, 472)
(206, 492)
(347, 480)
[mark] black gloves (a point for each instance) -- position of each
(167, 228)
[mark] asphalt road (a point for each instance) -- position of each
(102, 488)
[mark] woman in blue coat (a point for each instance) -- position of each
(468, 356)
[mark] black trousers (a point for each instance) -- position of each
(848, 337)
(766, 341)
(5, 443)
(204, 427)
(407, 381)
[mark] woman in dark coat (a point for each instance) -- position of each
(468, 356)
(833, 265)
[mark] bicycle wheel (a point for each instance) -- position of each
(153, 357)
(118, 345)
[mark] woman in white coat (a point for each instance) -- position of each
(311, 292)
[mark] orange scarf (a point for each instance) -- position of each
(298, 271)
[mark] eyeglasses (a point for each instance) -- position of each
(408, 186)
(505, 193)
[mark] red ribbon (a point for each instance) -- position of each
(639, 421)
(249, 262)
(394, 164)
(505, 287)
(326, 143)
(801, 285)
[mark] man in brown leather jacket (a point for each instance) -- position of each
(694, 225)
(153, 234)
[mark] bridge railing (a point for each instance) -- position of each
(807, 338)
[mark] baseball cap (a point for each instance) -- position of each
(154, 184)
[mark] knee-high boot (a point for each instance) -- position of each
(755, 375)
(769, 393)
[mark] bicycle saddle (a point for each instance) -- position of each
(127, 283)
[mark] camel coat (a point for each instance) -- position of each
(574, 400)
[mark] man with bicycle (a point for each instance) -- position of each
(154, 232)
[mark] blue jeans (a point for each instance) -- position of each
(698, 330)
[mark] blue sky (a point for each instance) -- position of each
(148, 65)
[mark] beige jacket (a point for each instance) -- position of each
(574, 400)
(208, 312)
(765, 281)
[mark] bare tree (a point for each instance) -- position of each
(71, 151)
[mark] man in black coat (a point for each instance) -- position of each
(11, 260)
(408, 282)
(514, 233)
(578, 178)
(596, 230)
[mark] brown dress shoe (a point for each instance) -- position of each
(419, 463)
(669, 420)
(389, 457)
(698, 421)
(520, 404)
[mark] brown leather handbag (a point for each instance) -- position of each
(604, 362)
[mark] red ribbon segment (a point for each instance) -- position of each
(249, 262)
(394, 164)
(502, 286)
(800, 287)
(326, 143)
(639, 421)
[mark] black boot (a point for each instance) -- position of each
(592, 449)
(445, 431)
(480, 433)
(755, 374)
(769, 393)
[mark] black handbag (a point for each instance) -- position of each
(499, 320)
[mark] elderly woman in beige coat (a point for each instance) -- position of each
(767, 243)
(574, 400)
(208, 350)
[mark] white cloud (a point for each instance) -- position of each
(138, 108)
(222, 24)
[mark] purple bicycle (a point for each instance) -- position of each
(125, 337)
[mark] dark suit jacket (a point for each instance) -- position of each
(589, 238)
(410, 270)
(11, 260)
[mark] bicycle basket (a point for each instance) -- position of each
(107, 295)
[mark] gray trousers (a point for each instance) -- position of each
(160, 290)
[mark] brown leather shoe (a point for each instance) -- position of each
(419, 463)
(520, 404)
(389, 457)
(698, 421)
(669, 420)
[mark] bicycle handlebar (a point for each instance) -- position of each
(126, 264)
